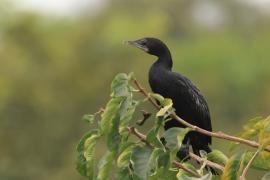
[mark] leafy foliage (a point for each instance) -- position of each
(217, 157)
(261, 162)
(85, 149)
(139, 159)
(257, 129)
(233, 167)
(53, 70)
(154, 157)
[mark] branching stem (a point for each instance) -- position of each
(243, 176)
(219, 134)
(142, 137)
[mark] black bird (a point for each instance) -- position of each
(188, 102)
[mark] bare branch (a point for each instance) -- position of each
(146, 115)
(243, 176)
(180, 166)
(219, 134)
(145, 93)
(209, 163)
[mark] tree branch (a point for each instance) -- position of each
(243, 176)
(219, 134)
(209, 163)
(146, 115)
(180, 166)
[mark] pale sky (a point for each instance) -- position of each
(59, 7)
(70, 7)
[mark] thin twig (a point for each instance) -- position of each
(142, 137)
(243, 176)
(134, 131)
(209, 163)
(180, 166)
(219, 134)
(146, 94)
(146, 115)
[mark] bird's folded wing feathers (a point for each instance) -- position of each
(197, 104)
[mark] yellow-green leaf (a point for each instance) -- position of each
(264, 137)
(119, 85)
(233, 167)
(261, 162)
(110, 112)
(158, 97)
(174, 137)
(217, 157)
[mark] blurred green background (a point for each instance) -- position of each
(55, 68)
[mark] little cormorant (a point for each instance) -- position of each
(188, 102)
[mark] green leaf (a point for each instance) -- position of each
(80, 146)
(131, 76)
(124, 158)
(167, 102)
(159, 166)
(264, 136)
(159, 122)
(127, 101)
(119, 85)
(89, 118)
(153, 161)
(124, 121)
(160, 175)
(124, 174)
(205, 177)
(174, 137)
(252, 128)
(152, 138)
(167, 105)
(158, 97)
(89, 146)
(110, 112)
(217, 157)
(89, 155)
(139, 158)
(261, 162)
(266, 176)
(81, 164)
(114, 138)
(105, 166)
(165, 161)
(233, 167)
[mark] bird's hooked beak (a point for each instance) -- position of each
(139, 44)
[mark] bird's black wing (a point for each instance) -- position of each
(190, 104)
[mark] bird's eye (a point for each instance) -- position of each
(143, 43)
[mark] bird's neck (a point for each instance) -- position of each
(165, 61)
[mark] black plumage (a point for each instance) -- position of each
(188, 102)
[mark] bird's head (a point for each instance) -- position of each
(152, 46)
